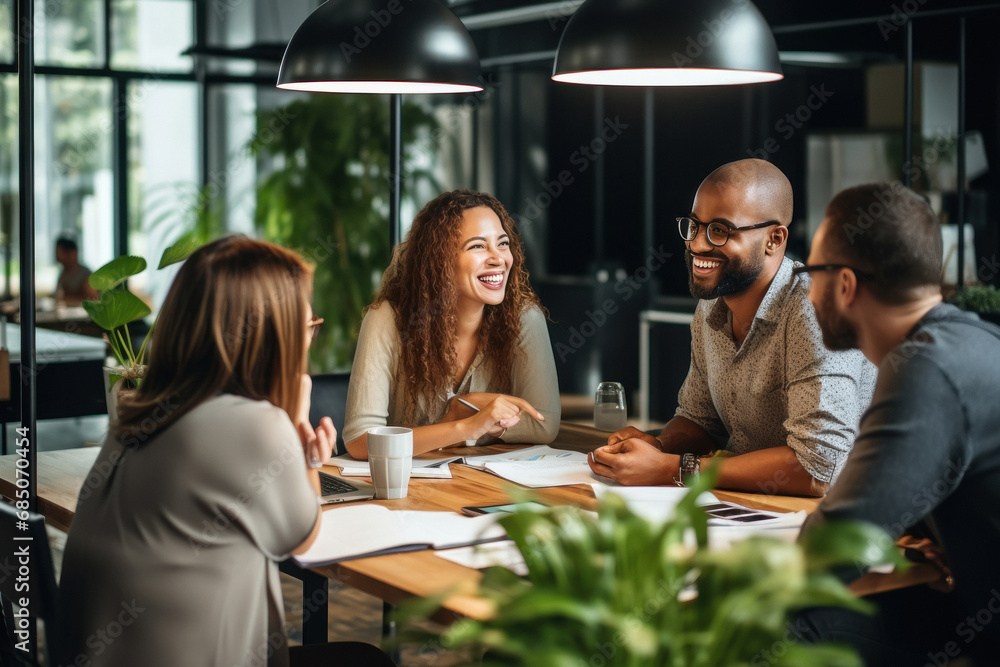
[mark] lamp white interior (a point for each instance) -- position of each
(386, 87)
(672, 76)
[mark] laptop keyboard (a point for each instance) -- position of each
(330, 485)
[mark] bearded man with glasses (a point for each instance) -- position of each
(763, 392)
(927, 458)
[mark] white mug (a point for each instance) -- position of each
(390, 456)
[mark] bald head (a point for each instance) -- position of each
(761, 183)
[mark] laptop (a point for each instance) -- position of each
(337, 490)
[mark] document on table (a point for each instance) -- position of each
(505, 554)
(360, 531)
(536, 453)
(727, 522)
(653, 503)
(541, 474)
(434, 468)
(538, 467)
(781, 526)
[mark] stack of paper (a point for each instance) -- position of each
(360, 531)
(541, 474)
(727, 522)
(653, 503)
(536, 453)
(436, 468)
(538, 467)
(657, 504)
(505, 554)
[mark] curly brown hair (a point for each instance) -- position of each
(420, 286)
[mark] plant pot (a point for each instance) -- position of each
(116, 380)
(111, 389)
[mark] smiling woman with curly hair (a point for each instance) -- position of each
(456, 316)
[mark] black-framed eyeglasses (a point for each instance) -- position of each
(806, 268)
(315, 325)
(717, 232)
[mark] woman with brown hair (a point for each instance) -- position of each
(202, 483)
(456, 317)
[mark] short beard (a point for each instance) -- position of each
(838, 334)
(737, 276)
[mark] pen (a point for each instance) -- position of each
(466, 403)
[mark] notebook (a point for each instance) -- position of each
(422, 467)
(361, 531)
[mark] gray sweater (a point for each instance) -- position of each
(929, 448)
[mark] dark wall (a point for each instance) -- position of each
(569, 160)
(587, 205)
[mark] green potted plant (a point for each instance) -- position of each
(117, 308)
(323, 191)
(617, 590)
(981, 299)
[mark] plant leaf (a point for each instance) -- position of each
(116, 308)
(828, 655)
(115, 272)
(178, 252)
(857, 543)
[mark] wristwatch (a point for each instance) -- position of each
(690, 467)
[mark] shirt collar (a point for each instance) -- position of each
(770, 306)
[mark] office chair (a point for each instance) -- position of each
(20, 531)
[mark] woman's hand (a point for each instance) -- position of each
(457, 410)
(499, 414)
(317, 443)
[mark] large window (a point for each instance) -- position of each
(6, 36)
(163, 172)
(74, 187)
(116, 125)
(135, 146)
(70, 33)
(151, 35)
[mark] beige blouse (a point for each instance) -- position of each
(170, 557)
(376, 398)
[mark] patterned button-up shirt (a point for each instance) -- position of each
(782, 386)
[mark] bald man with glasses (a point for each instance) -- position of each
(778, 409)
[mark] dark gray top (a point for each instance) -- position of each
(170, 557)
(930, 446)
(782, 386)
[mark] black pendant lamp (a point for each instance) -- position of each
(667, 43)
(375, 46)
(383, 46)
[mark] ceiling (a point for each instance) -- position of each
(792, 21)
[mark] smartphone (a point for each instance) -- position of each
(493, 509)
(746, 518)
(734, 513)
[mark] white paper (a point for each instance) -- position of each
(777, 520)
(545, 473)
(357, 531)
(536, 453)
(785, 527)
(653, 503)
(435, 468)
(505, 554)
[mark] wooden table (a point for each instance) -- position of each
(397, 577)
